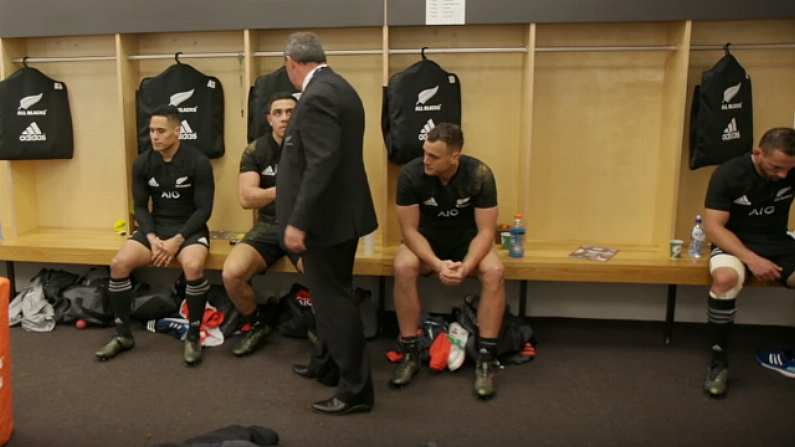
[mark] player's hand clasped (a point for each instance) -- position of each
(451, 273)
(163, 252)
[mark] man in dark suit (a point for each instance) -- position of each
(324, 206)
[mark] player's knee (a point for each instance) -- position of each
(193, 268)
(232, 276)
(725, 284)
(493, 275)
(120, 267)
(406, 268)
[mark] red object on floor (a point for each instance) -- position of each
(440, 351)
(6, 407)
(394, 356)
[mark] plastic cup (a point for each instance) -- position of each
(676, 248)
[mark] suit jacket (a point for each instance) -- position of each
(322, 186)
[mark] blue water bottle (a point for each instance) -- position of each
(517, 237)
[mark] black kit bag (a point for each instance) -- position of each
(515, 332)
(415, 101)
(258, 95)
(199, 99)
(721, 116)
(35, 121)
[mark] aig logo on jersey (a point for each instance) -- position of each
(186, 132)
(763, 211)
(170, 195)
(32, 133)
(29, 101)
(448, 213)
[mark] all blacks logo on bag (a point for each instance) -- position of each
(178, 98)
(425, 96)
(29, 101)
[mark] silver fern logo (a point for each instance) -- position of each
(728, 95)
(178, 98)
(29, 101)
(423, 97)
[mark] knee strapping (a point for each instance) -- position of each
(727, 295)
(733, 263)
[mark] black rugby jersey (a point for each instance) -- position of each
(447, 211)
(758, 208)
(181, 190)
(262, 156)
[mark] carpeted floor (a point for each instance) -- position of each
(594, 383)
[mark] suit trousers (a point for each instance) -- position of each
(328, 272)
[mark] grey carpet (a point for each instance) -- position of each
(595, 383)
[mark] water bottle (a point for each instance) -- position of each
(697, 239)
(517, 237)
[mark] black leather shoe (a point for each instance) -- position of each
(329, 376)
(336, 406)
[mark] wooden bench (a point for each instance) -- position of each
(542, 262)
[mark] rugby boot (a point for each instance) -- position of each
(252, 340)
(114, 347)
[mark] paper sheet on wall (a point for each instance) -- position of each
(445, 12)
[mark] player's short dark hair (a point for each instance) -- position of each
(278, 96)
(168, 111)
(779, 138)
(450, 133)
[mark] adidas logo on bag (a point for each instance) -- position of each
(425, 129)
(33, 133)
(186, 133)
(731, 132)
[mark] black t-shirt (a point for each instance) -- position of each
(447, 211)
(758, 208)
(181, 190)
(262, 156)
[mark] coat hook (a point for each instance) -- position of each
(422, 53)
(176, 56)
(25, 62)
(726, 48)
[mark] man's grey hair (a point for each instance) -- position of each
(305, 47)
